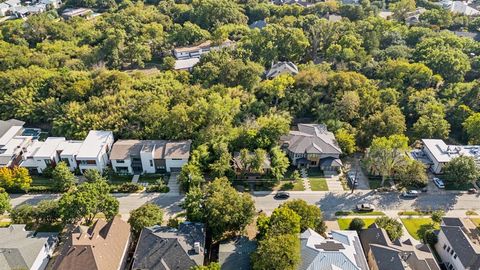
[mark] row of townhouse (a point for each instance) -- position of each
(97, 151)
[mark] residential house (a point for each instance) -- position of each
(95, 150)
(70, 13)
(234, 254)
(413, 18)
(12, 142)
(459, 7)
(458, 244)
(301, 3)
(186, 64)
(260, 24)
(161, 247)
(471, 35)
(280, 68)
(91, 153)
(383, 254)
(51, 4)
(149, 156)
(341, 250)
(188, 57)
(438, 153)
(41, 155)
(104, 246)
(4, 9)
(312, 145)
(22, 249)
(248, 173)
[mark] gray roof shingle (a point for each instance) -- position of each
(163, 248)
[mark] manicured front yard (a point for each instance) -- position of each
(415, 226)
(318, 184)
(374, 183)
(293, 186)
(344, 223)
(317, 181)
(152, 178)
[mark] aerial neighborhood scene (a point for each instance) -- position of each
(239, 134)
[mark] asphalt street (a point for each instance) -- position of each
(329, 202)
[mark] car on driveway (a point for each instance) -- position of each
(352, 178)
(281, 195)
(438, 182)
(410, 194)
(365, 207)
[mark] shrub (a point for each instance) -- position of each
(356, 224)
(23, 214)
(173, 222)
(430, 237)
(158, 187)
(126, 188)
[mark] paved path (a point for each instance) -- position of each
(333, 183)
(173, 185)
(135, 178)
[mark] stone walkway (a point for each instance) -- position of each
(306, 183)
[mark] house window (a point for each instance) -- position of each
(451, 252)
(88, 162)
(313, 163)
(448, 249)
(455, 256)
(176, 159)
(444, 246)
(151, 163)
(120, 161)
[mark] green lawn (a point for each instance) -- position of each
(343, 223)
(412, 213)
(416, 226)
(120, 179)
(318, 184)
(355, 213)
(295, 186)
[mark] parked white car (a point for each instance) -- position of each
(438, 182)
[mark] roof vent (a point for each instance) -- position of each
(196, 247)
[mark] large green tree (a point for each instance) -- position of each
(310, 215)
(386, 155)
(146, 215)
(462, 169)
(220, 206)
(278, 252)
(88, 200)
(63, 178)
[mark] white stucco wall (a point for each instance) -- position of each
(127, 163)
(169, 163)
(146, 157)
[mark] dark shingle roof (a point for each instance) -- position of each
(468, 255)
(161, 247)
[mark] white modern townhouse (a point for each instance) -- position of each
(91, 153)
(149, 156)
(12, 143)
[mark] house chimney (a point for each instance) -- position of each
(196, 247)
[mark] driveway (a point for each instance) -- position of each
(352, 164)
